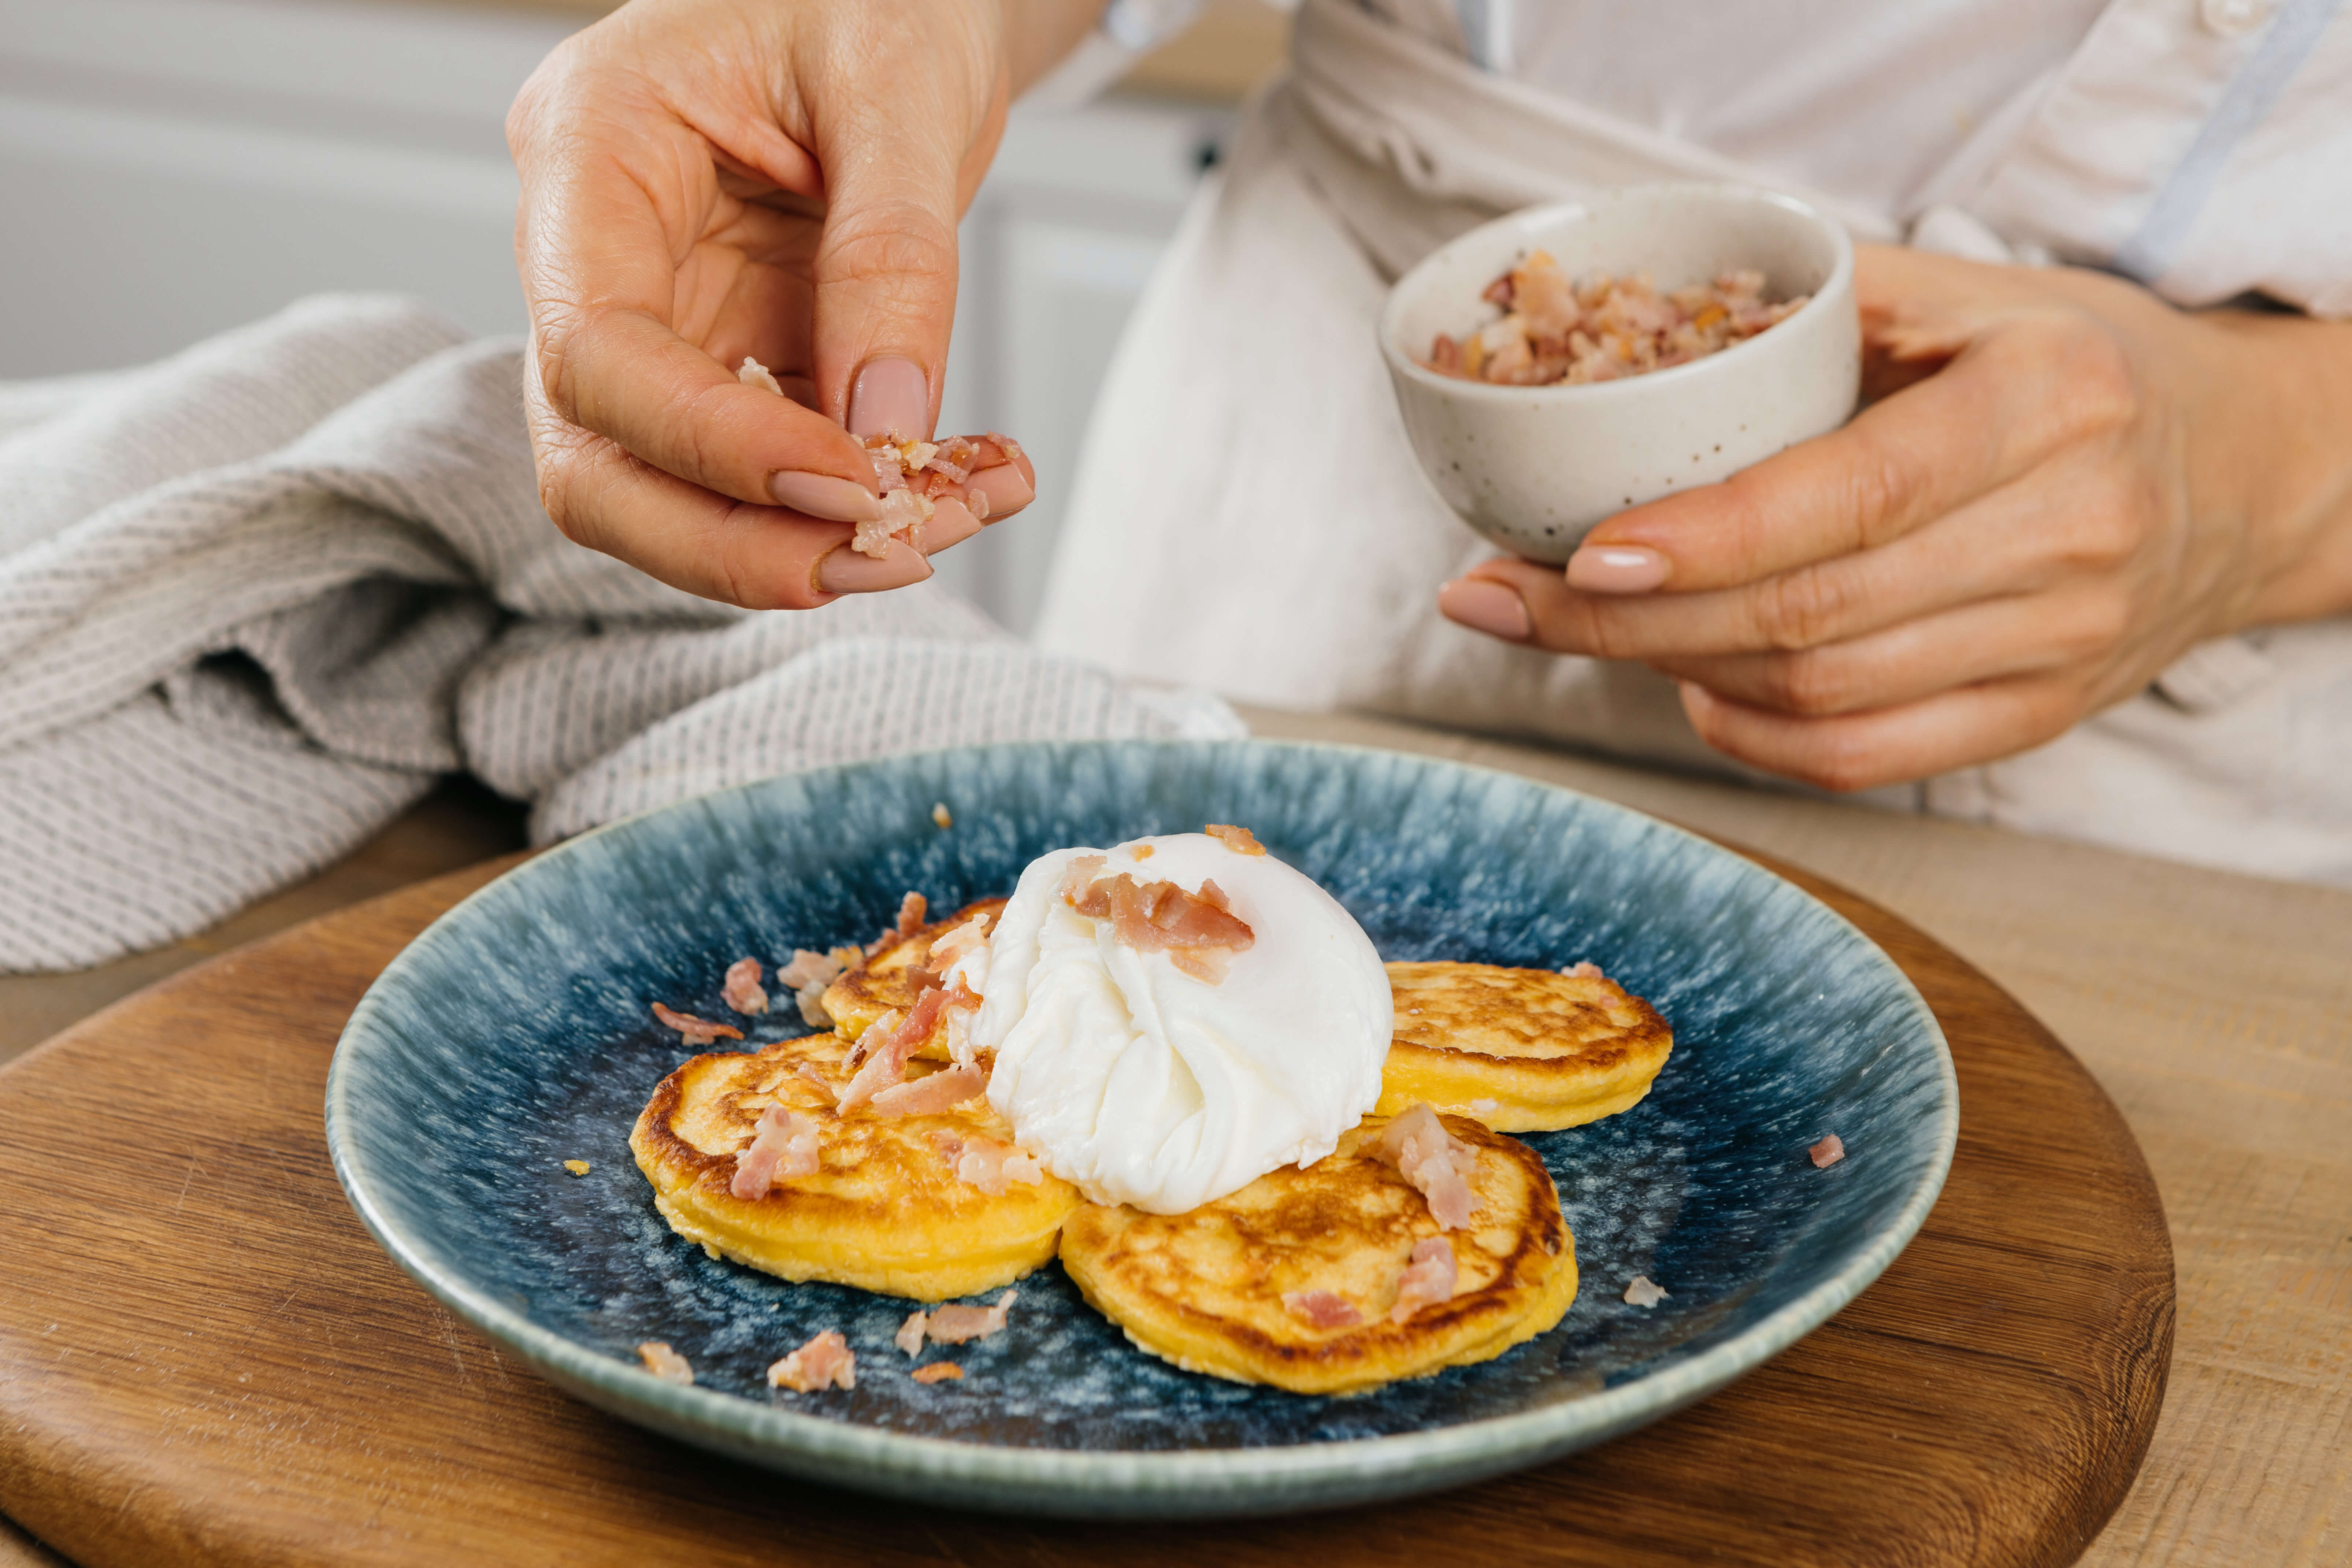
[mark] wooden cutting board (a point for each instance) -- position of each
(204, 1360)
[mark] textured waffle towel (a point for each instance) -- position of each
(254, 598)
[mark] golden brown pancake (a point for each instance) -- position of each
(1204, 1290)
(1521, 1051)
(886, 981)
(884, 1211)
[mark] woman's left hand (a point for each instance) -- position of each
(2060, 485)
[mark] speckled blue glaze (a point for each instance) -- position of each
(513, 1035)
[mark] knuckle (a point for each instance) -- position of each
(1800, 610)
(1810, 683)
(1884, 485)
(2093, 383)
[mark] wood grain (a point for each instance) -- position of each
(204, 1359)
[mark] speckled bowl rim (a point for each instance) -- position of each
(1407, 290)
(1196, 1482)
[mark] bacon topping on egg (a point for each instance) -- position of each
(1435, 1160)
(1427, 1279)
(825, 1361)
(784, 1147)
(955, 941)
(694, 1031)
(988, 1163)
(1198, 932)
(1240, 840)
(741, 989)
(1322, 1309)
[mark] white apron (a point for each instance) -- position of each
(1249, 517)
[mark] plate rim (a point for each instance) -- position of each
(1274, 1474)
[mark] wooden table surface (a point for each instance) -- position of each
(2217, 1011)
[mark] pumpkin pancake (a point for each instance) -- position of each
(884, 1211)
(886, 980)
(1206, 1288)
(1522, 1051)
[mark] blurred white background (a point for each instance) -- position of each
(170, 168)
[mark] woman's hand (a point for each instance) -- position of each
(707, 180)
(2063, 484)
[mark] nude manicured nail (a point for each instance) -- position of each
(1616, 569)
(823, 495)
(891, 397)
(844, 571)
(951, 523)
(1487, 607)
(1006, 490)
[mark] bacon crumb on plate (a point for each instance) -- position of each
(741, 989)
(909, 1337)
(665, 1363)
(825, 1361)
(938, 1372)
(940, 815)
(1828, 1152)
(1428, 1278)
(952, 1325)
(577, 1167)
(1322, 1309)
(1435, 1160)
(1643, 1293)
(694, 1031)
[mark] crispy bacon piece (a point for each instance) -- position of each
(955, 941)
(809, 968)
(694, 1031)
(1436, 1161)
(1240, 840)
(887, 1063)
(741, 990)
(911, 910)
(1005, 444)
(952, 1325)
(752, 372)
(930, 1096)
(811, 1074)
(1584, 969)
(872, 1037)
(1322, 1309)
(665, 1363)
(1641, 1292)
(784, 1147)
(825, 1361)
(988, 1163)
(577, 1167)
(1426, 1281)
(909, 1337)
(1828, 1152)
(938, 1372)
(940, 816)
(1199, 932)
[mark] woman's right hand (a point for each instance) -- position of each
(707, 180)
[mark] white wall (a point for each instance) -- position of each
(170, 168)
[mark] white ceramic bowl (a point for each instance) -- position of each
(1535, 467)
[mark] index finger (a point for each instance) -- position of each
(1993, 413)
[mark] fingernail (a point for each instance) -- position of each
(1485, 607)
(1006, 490)
(823, 495)
(844, 571)
(1616, 569)
(951, 523)
(891, 397)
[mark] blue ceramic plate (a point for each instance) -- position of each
(513, 1035)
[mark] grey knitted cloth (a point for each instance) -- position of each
(254, 598)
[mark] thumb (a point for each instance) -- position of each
(900, 158)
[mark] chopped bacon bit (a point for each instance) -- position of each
(1643, 1293)
(955, 941)
(887, 1064)
(978, 504)
(872, 1037)
(939, 813)
(1141, 852)
(1828, 1152)
(909, 1337)
(807, 968)
(912, 908)
(810, 999)
(988, 1163)
(952, 1325)
(784, 1147)
(665, 1363)
(577, 1167)
(1199, 932)
(752, 372)
(825, 1361)
(695, 1031)
(1008, 445)
(1322, 1309)
(930, 1096)
(815, 1078)
(938, 1372)
(741, 990)
(1436, 1161)
(1240, 840)
(1585, 970)
(1426, 1281)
